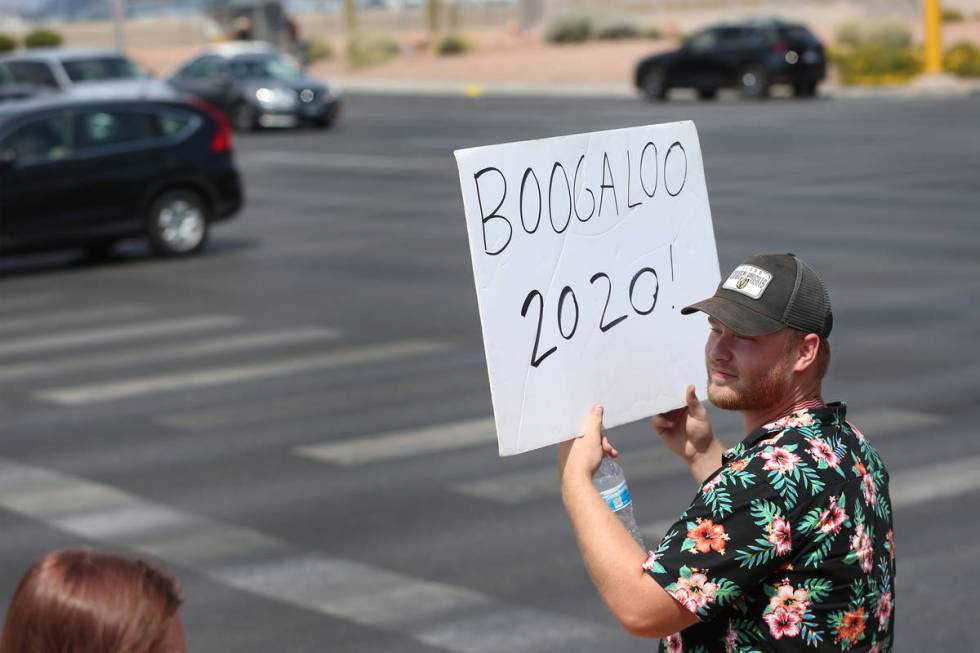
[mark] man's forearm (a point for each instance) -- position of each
(614, 560)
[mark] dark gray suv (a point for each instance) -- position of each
(749, 56)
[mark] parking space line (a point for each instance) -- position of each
(67, 317)
(541, 482)
(138, 386)
(101, 336)
(649, 464)
(434, 613)
(403, 444)
(212, 347)
(337, 161)
(279, 409)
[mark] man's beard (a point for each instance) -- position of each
(760, 393)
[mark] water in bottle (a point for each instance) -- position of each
(611, 483)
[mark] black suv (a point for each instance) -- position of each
(749, 56)
(90, 172)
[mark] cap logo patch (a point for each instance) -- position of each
(748, 280)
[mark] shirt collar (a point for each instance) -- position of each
(831, 414)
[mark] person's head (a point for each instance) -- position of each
(770, 320)
(82, 601)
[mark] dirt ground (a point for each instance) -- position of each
(502, 55)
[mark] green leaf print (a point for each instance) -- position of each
(785, 488)
(764, 512)
(818, 588)
(755, 554)
(719, 501)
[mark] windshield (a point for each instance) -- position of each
(264, 68)
(101, 69)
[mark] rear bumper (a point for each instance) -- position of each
(229, 197)
(320, 113)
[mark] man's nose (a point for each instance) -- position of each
(719, 348)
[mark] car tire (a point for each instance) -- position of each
(654, 85)
(805, 89)
(178, 223)
(707, 93)
(243, 117)
(753, 82)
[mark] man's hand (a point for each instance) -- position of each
(580, 457)
(687, 432)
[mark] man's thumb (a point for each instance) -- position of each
(693, 404)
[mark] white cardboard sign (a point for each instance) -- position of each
(585, 248)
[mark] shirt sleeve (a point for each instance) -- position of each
(735, 534)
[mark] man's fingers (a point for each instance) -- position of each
(694, 406)
(608, 448)
(593, 424)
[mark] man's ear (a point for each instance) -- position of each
(806, 352)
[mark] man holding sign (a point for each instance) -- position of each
(788, 544)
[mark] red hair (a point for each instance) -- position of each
(82, 601)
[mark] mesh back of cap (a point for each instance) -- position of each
(809, 309)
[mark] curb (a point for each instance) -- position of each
(940, 87)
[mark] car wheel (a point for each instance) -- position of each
(805, 89)
(654, 84)
(243, 117)
(753, 82)
(177, 223)
(707, 93)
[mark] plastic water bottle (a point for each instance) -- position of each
(611, 483)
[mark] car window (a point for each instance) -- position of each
(797, 34)
(705, 40)
(204, 67)
(32, 72)
(95, 129)
(39, 141)
(170, 123)
(5, 76)
(99, 69)
(264, 68)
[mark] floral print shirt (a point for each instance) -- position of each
(788, 546)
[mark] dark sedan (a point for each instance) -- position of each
(258, 86)
(750, 57)
(78, 172)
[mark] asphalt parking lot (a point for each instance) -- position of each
(296, 422)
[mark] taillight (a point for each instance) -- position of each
(221, 141)
(778, 47)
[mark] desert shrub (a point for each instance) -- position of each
(364, 50)
(951, 15)
(43, 38)
(318, 49)
(615, 28)
(877, 64)
(7, 43)
(885, 32)
(452, 44)
(651, 32)
(963, 59)
(569, 29)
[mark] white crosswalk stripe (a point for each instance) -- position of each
(14, 305)
(433, 613)
(403, 444)
(65, 317)
(348, 398)
(210, 347)
(220, 376)
(114, 334)
(649, 464)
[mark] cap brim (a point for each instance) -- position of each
(737, 317)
